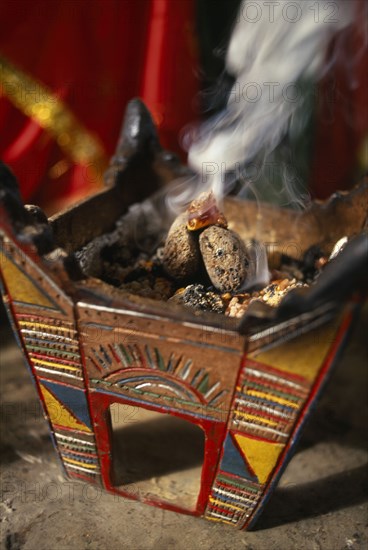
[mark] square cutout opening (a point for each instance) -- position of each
(156, 455)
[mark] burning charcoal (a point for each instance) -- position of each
(181, 257)
(196, 297)
(224, 256)
(203, 212)
(313, 260)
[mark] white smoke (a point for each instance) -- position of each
(273, 46)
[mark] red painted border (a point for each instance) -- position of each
(214, 434)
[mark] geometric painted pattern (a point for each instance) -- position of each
(79, 453)
(69, 415)
(261, 456)
(232, 499)
(71, 398)
(52, 346)
(267, 401)
(233, 460)
(22, 287)
(59, 414)
(126, 366)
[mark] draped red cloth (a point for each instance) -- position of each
(342, 113)
(94, 55)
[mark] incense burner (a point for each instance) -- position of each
(196, 413)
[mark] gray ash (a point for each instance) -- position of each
(197, 297)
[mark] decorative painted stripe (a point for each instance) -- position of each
(121, 356)
(232, 499)
(39, 362)
(255, 418)
(38, 339)
(239, 482)
(229, 515)
(74, 439)
(44, 319)
(48, 327)
(227, 495)
(76, 452)
(272, 387)
(249, 409)
(57, 353)
(252, 400)
(221, 518)
(59, 372)
(212, 390)
(83, 458)
(48, 335)
(222, 503)
(221, 507)
(100, 360)
(95, 364)
(255, 405)
(282, 375)
(218, 397)
(264, 428)
(61, 361)
(114, 353)
(82, 469)
(272, 398)
(271, 391)
(163, 383)
(275, 378)
(80, 463)
(155, 395)
(75, 447)
(235, 489)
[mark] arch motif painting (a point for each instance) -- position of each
(144, 371)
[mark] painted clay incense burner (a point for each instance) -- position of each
(116, 373)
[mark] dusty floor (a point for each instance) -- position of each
(320, 503)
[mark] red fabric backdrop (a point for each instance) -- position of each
(342, 112)
(94, 55)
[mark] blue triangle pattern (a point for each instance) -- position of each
(74, 399)
(233, 461)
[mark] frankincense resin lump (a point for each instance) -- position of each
(224, 256)
(200, 239)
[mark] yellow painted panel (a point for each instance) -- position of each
(59, 414)
(21, 287)
(262, 456)
(304, 355)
